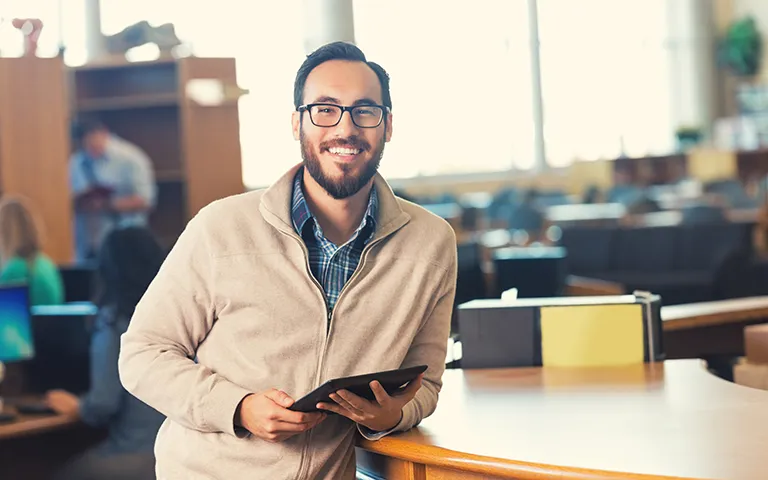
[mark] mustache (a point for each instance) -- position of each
(349, 142)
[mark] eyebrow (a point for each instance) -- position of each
(365, 101)
(326, 99)
(360, 101)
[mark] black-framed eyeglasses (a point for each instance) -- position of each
(329, 114)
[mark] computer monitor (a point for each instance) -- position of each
(16, 340)
(62, 336)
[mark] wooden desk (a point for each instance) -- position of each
(33, 446)
(666, 420)
(34, 424)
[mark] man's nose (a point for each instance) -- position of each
(346, 126)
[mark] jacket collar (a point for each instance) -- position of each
(276, 203)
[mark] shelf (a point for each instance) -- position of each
(120, 62)
(129, 102)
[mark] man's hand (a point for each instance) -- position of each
(63, 402)
(380, 415)
(266, 415)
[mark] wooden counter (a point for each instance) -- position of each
(666, 420)
(711, 329)
(705, 314)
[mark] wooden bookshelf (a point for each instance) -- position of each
(34, 145)
(195, 149)
(128, 102)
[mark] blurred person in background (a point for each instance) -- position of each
(128, 261)
(21, 257)
(113, 186)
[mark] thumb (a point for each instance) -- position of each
(279, 397)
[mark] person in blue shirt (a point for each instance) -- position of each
(128, 261)
(113, 185)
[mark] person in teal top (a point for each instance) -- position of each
(21, 260)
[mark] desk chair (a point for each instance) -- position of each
(703, 214)
(470, 281)
(79, 282)
(535, 271)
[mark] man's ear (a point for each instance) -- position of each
(296, 125)
(388, 133)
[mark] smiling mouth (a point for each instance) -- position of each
(344, 151)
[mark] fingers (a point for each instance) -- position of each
(282, 415)
(275, 431)
(351, 402)
(381, 395)
(279, 397)
(332, 407)
(278, 427)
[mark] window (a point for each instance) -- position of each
(617, 76)
(63, 22)
(460, 83)
(606, 78)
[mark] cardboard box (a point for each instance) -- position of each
(751, 375)
(756, 344)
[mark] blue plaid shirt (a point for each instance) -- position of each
(332, 266)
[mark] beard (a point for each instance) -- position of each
(348, 183)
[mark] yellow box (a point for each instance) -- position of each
(592, 335)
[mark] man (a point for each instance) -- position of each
(113, 186)
(268, 294)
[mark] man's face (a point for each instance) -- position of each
(344, 158)
(95, 143)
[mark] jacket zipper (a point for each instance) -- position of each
(304, 462)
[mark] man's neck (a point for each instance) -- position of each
(338, 218)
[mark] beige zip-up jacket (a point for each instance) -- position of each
(235, 310)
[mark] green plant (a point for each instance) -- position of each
(741, 49)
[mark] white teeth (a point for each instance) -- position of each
(343, 151)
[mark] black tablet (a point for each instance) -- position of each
(393, 382)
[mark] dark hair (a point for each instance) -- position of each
(530, 195)
(128, 261)
(81, 128)
(338, 51)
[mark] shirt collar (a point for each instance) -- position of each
(300, 213)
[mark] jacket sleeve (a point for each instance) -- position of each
(158, 350)
(429, 348)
